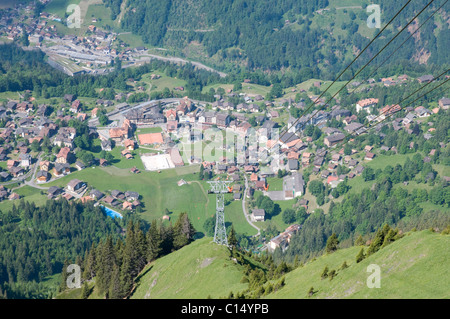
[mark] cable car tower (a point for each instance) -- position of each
(220, 188)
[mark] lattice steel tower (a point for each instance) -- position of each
(220, 188)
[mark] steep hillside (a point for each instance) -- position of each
(279, 34)
(198, 270)
(412, 267)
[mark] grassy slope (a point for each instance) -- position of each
(199, 270)
(413, 267)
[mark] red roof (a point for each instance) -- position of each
(64, 152)
(367, 102)
(331, 178)
(150, 138)
(172, 112)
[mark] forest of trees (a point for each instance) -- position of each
(38, 243)
(257, 33)
(116, 263)
(27, 70)
(35, 241)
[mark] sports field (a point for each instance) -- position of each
(157, 162)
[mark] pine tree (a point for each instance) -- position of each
(64, 274)
(183, 231)
(90, 264)
(344, 265)
(232, 241)
(360, 255)
(311, 292)
(359, 241)
(141, 248)
(332, 243)
(106, 264)
(153, 242)
(85, 291)
(126, 278)
(378, 240)
(129, 253)
(332, 274)
(324, 273)
(390, 237)
(296, 262)
(114, 287)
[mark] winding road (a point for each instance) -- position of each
(244, 208)
(147, 57)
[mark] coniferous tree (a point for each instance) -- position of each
(359, 241)
(166, 233)
(153, 241)
(64, 276)
(324, 273)
(390, 237)
(332, 274)
(183, 231)
(332, 243)
(130, 253)
(360, 255)
(296, 262)
(377, 242)
(232, 241)
(90, 264)
(115, 291)
(344, 265)
(106, 264)
(126, 278)
(141, 248)
(85, 291)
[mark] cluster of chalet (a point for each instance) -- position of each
(128, 200)
(77, 189)
(29, 124)
(7, 194)
(42, 28)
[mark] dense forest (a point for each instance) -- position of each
(275, 35)
(27, 70)
(115, 264)
(38, 243)
(35, 242)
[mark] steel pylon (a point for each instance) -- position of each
(220, 188)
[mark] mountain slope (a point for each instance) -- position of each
(198, 270)
(412, 267)
(278, 34)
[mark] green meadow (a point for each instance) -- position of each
(159, 191)
(412, 267)
(201, 269)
